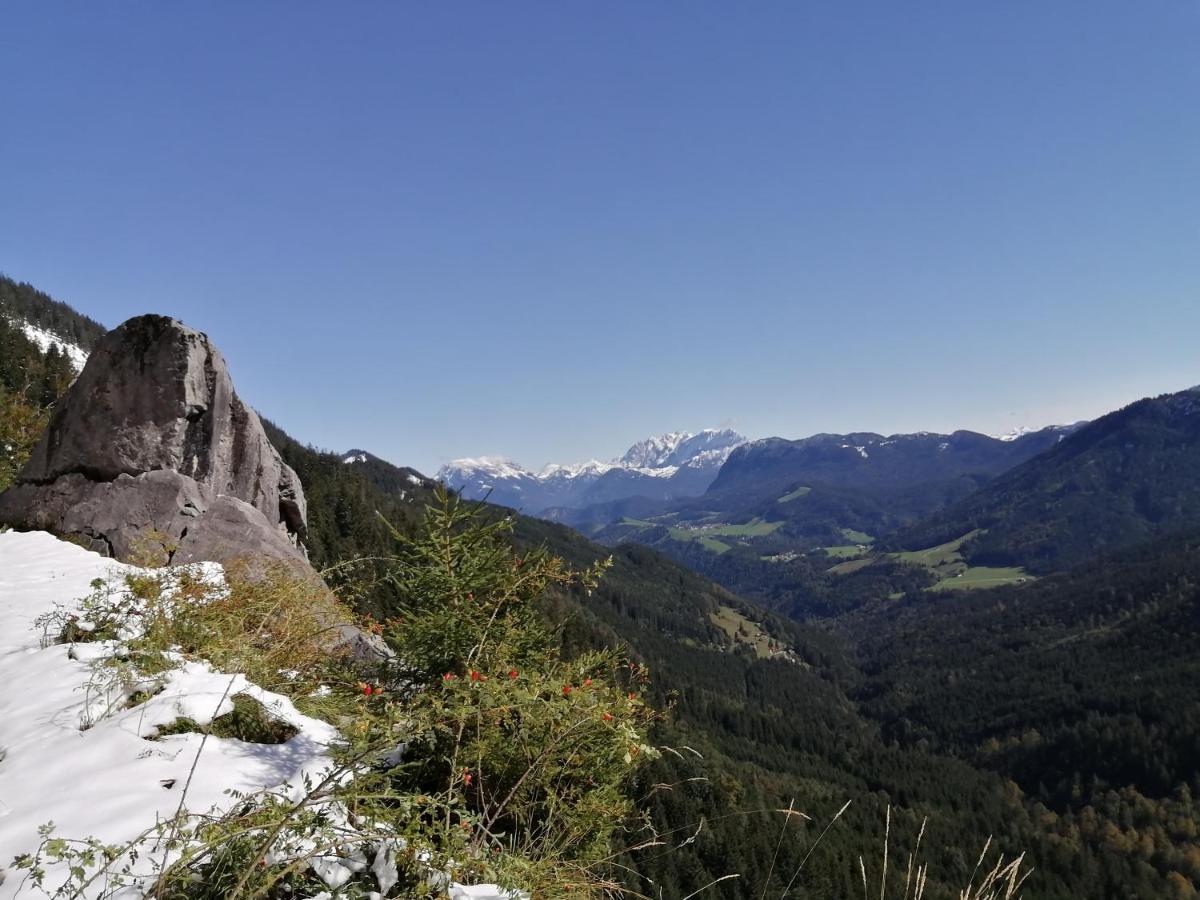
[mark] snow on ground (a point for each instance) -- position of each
(106, 780)
(44, 339)
(95, 775)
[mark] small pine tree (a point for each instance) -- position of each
(535, 751)
(466, 597)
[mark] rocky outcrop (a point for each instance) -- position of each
(153, 458)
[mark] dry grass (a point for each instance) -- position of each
(272, 624)
(1003, 881)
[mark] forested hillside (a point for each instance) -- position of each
(1084, 689)
(1125, 478)
(31, 381)
(26, 303)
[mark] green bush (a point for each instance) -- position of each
(531, 751)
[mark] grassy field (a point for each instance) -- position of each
(946, 563)
(637, 523)
(742, 631)
(933, 557)
(705, 538)
(708, 536)
(849, 551)
(795, 495)
(982, 577)
(852, 565)
(842, 552)
(754, 528)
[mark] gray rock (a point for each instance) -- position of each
(152, 457)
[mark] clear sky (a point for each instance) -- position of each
(545, 230)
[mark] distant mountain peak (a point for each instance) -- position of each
(1025, 430)
(676, 448)
(677, 463)
(1019, 432)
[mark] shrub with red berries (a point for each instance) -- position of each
(528, 748)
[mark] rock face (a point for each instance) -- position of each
(152, 457)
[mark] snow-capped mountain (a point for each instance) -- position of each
(679, 448)
(1022, 430)
(677, 464)
(1019, 432)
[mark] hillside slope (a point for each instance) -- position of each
(1127, 477)
(25, 303)
(874, 462)
(1082, 688)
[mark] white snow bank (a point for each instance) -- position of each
(72, 754)
(106, 780)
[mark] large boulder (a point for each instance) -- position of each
(152, 457)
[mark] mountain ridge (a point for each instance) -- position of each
(673, 464)
(1127, 477)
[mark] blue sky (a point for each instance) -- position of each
(545, 230)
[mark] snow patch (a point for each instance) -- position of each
(1019, 432)
(73, 755)
(47, 339)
